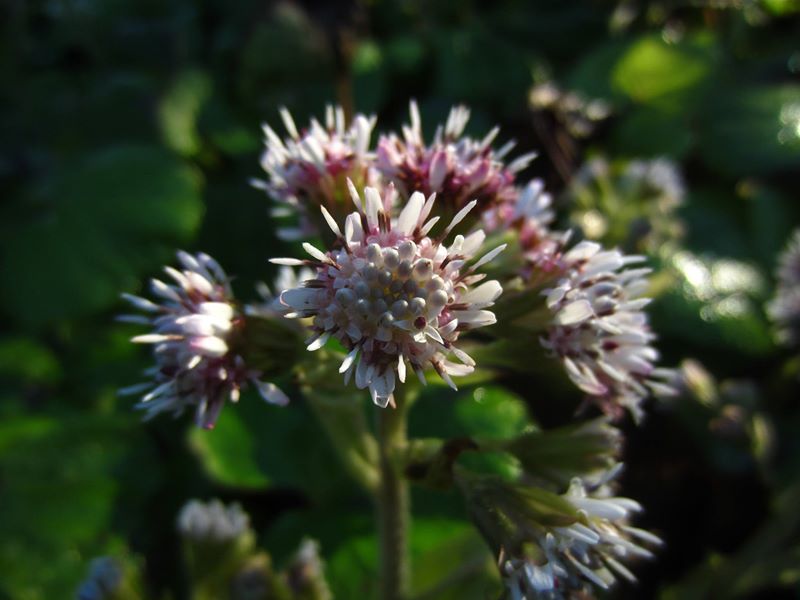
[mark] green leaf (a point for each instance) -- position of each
(449, 561)
(751, 131)
(592, 74)
(228, 452)
(715, 303)
(486, 411)
(262, 444)
(102, 224)
(58, 498)
(492, 412)
(653, 71)
(25, 360)
(179, 109)
(652, 132)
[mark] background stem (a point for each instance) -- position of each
(393, 503)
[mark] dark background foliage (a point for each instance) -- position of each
(131, 127)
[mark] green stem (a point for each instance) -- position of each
(393, 503)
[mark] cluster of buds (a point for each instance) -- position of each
(784, 309)
(558, 545)
(579, 115)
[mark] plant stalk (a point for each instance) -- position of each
(393, 503)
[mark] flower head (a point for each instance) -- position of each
(212, 522)
(600, 331)
(309, 168)
(454, 166)
(558, 560)
(784, 309)
(392, 295)
(195, 325)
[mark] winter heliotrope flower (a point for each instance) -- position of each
(456, 167)
(195, 325)
(600, 330)
(309, 168)
(392, 295)
(558, 561)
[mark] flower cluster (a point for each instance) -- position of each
(309, 168)
(392, 295)
(560, 560)
(629, 204)
(195, 323)
(456, 167)
(784, 309)
(212, 522)
(600, 331)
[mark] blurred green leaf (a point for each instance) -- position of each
(755, 130)
(650, 132)
(487, 411)
(228, 452)
(25, 360)
(715, 303)
(179, 109)
(256, 444)
(591, 76)
(58, 499)
(102, 224)
(653, 71)
(449, 562)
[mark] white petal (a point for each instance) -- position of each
(574, 313)
(210, 346)
(330, 221)
(460, 216)
(485, 294)
(272, 393)
(287, 262)
(489, 256)
(409, 217)
(318, 342)
(218, 310)
(373, 206)
(348, 360)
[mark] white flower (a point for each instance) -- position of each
(212, 522)
(784, 309)
(454, 166)
(194, 323)
(591, 550)
(392, 295)
(600, 330)
(308, 168)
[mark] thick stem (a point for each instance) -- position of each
(393, 503)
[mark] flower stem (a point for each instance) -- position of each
(393, 503)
